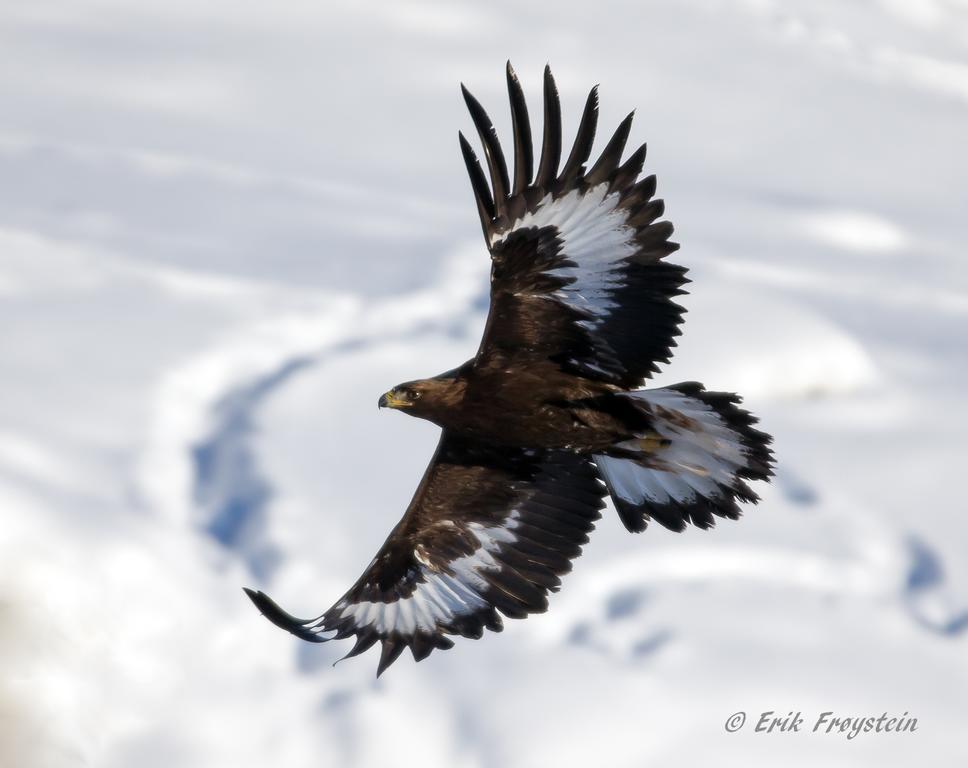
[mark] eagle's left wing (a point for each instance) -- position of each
(489, 529)
(579, 280)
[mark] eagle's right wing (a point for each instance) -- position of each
(578, 273)
(488, 530)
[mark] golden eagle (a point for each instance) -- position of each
(548, 415)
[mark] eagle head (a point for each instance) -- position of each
(402, 396)
(424, 397)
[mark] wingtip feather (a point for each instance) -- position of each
(551, 140)
(492, 149)
(482, 194)
(612, 154)
(584, 140)
(268, 608)
(390, 653)
(521, 127)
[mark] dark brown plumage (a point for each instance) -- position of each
(547, 418)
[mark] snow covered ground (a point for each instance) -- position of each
(226, 228)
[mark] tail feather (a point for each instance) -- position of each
(691, 464)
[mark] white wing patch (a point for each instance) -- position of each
(697, 461)
(441, 596)
(595, 236)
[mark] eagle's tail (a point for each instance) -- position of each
(690, 464)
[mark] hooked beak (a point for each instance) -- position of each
(390, 400)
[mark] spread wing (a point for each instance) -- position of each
(578, 273)
(489, 530)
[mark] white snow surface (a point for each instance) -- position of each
(226, 228)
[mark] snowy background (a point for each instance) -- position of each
(226, 228)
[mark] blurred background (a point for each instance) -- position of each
(227, 227)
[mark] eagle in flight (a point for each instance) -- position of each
(548, 417)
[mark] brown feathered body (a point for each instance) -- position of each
(536, 408)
